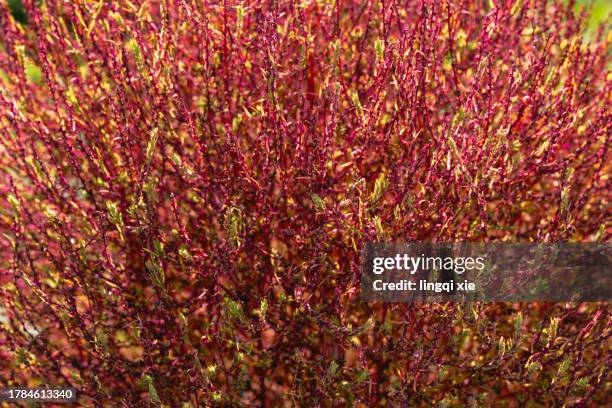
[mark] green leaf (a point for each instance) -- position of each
(33, 72)
(380, 186)
(357, 103)
(151, 144)
(518, 4)
(23, 358)
(115, 217)
(234, 309)
(533, 366)
(184, 253)
(518, 323)
(333, 368)
(582, 383)
(14, 202)
(365, 328)
(380, 231)
(379, 46)
(363, 375)
(551, 331)
(147, 381)
(501, 347)
(263, 309)
(239, 17)
(318, 202)
(387, 325)
(234, 225)
(563, 367)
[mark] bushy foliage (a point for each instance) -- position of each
(186, 187)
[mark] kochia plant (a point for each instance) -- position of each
(186, 187)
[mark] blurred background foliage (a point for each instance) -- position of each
(18, 11)
(600, 12)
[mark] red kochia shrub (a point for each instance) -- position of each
(186, 187)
